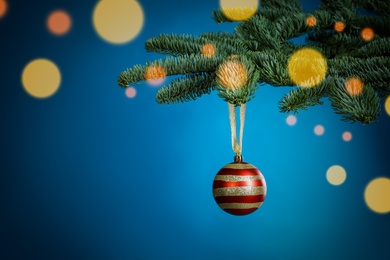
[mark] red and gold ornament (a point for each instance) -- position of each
(239, 188)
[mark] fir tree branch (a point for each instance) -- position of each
(259, 30)
(301, 98)
(379, 47)
(186, 88)
(186, 64)
(174, 44)
(290, 5)
(381, 7)
(177, 45)
(219, 17)
(272, 66)
(364, 108)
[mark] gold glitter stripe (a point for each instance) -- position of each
(237, 178)
(240, 205)
(239, 191)
(239, 166)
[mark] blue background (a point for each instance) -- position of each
(91, 174)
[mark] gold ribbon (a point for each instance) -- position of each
(236, 146)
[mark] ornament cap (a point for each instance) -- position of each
(238, 159)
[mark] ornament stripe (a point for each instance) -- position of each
(242, 172)
(227, 184)
(239, 191)
(240, 212)
(240, 199)
(239, 166)
(237, 178)
(240, 205)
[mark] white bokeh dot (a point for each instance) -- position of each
(347, 136)
(319, 130)
(291, 120)
(131, 92)
(336, 175)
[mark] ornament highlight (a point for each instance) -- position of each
(239, 188)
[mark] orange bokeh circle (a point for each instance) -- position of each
(59, 22)
(3, 8)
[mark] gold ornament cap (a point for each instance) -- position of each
(238, 159)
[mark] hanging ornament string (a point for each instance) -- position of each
(236, 146)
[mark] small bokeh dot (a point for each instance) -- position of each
(354, 86)
(367, 34)
(336, 175)
(3, 8)
(291, 120)
(59, 22)
(347, 136)
(41, 78)
(377, 195)
(319, 130)
(131, 92)
(118, 21)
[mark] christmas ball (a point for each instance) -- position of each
(239, 188)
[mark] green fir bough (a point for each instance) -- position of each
(263, 44)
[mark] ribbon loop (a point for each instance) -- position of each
(236, 146)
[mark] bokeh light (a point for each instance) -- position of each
(336, 175)
(347, 136)
(156, 82)
(339, 26)
(232, 74)
(118, 21)
(239, 10)
(291, 120)
(319, 130)
(59, 22)
(155, 72)
(354, 86)
(367, 34)
(311, 21)
(41, 78)
(387, 105)
(307, 67)
(131, 92)
(3, 8)
(377, 195)
(208, 50)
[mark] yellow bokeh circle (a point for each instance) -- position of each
(307, 67)
(118, 21)
(41, 78)
(239, 10)
(387, 105)
(336, 175)
(377, 195)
